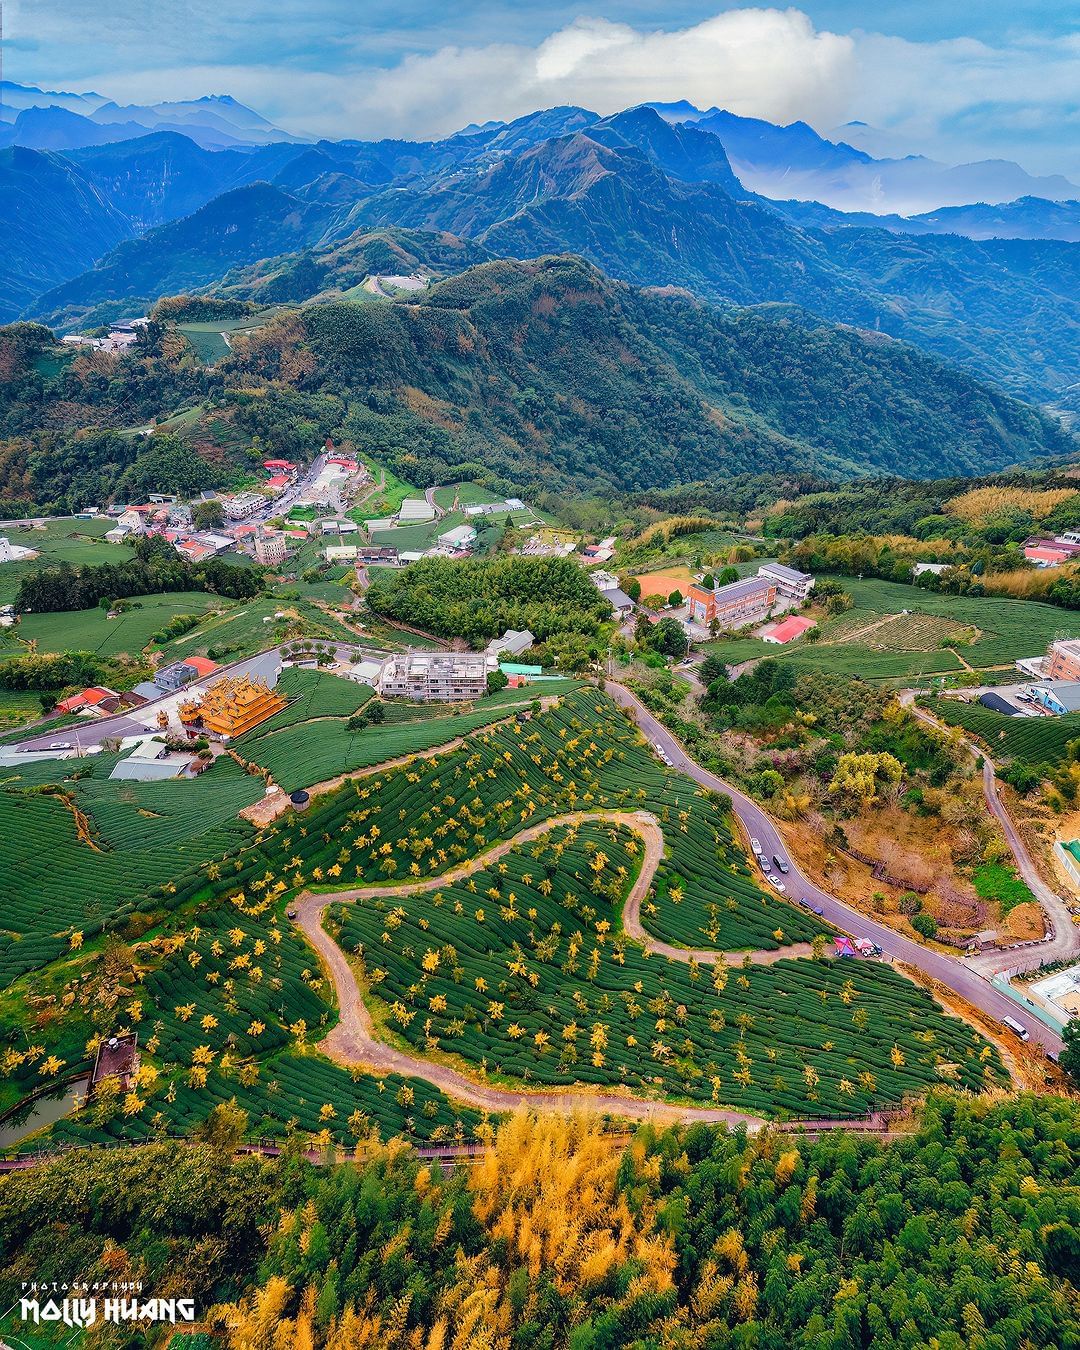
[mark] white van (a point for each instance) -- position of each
(1015, 1027)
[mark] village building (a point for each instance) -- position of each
(231, 706)
(444, 677)
(181, 673)
(95, 699)
(1063, 660)
(786, 630)
(240, 505)
(619, 601)
(734, 605)
(1058, 696)
(512, 643)
(790, 583)
(376, 555)
(461, 536)
(271, 550)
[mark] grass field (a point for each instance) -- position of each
(467, 494)
(91, 630)
(387, 501)
(1029, 740)
(67, 540)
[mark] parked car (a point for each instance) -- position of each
(780, 863)
(764, 862)
(775, 881)
(810, 905)
(755, 846)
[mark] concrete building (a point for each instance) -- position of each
(936, 568)
(181, 673)
(340, 553)
(1063, 660)
(461, 536)
(240, 505)
(604, 581)
(790, 583)
(377, 555)
(442, 677)
(271, 550)
(739, 603)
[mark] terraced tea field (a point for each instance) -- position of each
(1029, 740)
(876, 640)
(517, 969)
(83, 852)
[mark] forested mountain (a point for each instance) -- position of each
(544, 373)
(54, 224)
(650, 203)
(547, 369)
(238, 227)
(341, 266)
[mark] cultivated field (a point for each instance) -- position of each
(519, 968)
(91, 630)
(1030, 740)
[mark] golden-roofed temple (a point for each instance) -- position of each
(232, 705)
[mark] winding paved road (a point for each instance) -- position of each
(956, 973)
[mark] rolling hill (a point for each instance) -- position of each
(551, 374)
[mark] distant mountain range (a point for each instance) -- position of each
(794, 161)
(55, 120)
(651, 201)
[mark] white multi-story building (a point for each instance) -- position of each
(789, 582)
(442, 677)
(240, 505)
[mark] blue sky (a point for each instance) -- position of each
(984, 78)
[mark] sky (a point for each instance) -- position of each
(956, 79)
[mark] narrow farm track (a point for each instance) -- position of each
(1064, 945)
(354, 1040)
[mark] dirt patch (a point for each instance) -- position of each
(663, 583)
(1024, 923)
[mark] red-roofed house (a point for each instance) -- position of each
(279, 482)
(202, 665)
(1044, 555)
(342, 463)
(278, 465)
(786, 630)
(97, 697)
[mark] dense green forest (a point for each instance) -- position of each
(963, 1233)
(479, 598)
(551, 374)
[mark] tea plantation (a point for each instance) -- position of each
(517, 969)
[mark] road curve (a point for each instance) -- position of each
(1065, 944)
(956, 974)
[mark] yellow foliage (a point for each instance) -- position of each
(982, 504)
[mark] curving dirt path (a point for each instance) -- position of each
(354, 1040)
